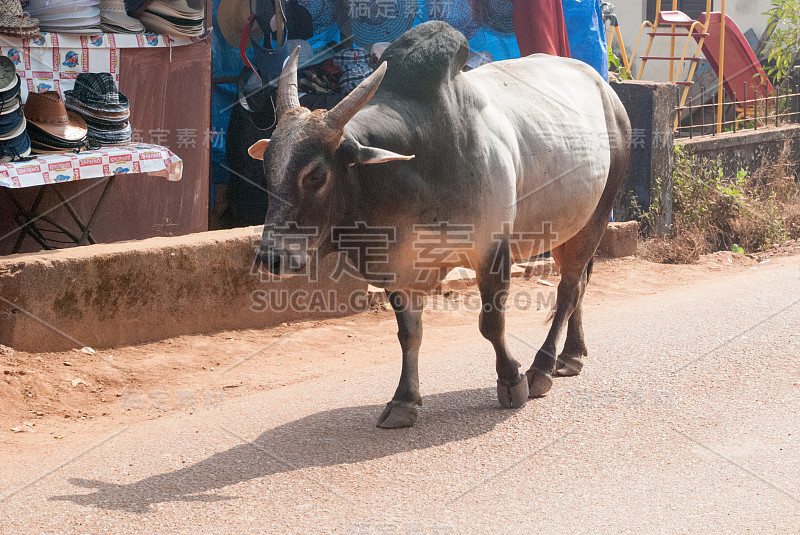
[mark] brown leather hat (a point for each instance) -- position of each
(47, 111)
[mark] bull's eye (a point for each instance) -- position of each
(314, 180)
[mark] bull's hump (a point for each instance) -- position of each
(423, 59)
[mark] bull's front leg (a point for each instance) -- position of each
(402, 410)
(494, 277)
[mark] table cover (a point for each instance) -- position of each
(106, 161)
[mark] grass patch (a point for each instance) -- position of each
(714, 212)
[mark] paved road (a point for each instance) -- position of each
(686, 420)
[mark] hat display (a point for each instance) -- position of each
(9, 80)
(50, 125)
(175, 17)
(97, 90)
(15, 23)
(114, 18)
(135, 7)
(62, 16)
(108, 136)
(10, 105)
(96, 116)
(106, 111)
(9, 123)
(14, 140)
(19, 146)
(14, 130)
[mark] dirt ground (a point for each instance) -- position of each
(58, 396)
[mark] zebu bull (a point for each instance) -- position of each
(526, 154)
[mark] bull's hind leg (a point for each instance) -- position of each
(575, 256)
(570, 289)
(402, 410)
(570, 360)
(493, 280)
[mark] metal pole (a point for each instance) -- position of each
(796, 102)
(795, 109)
(714, 130)
(767, 100)
(721, 72)
(777, 107)
(672, 47)
(678, 114)
(703, 110)
(755, 109)
(744, 105)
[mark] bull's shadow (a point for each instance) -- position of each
(346, 435)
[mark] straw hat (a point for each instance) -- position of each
(160, 25)
(114, 17)
(177, 8)
(175, 17)
(14, 22)
(232, 18)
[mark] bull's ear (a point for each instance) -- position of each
(354, 152)
(257, 149)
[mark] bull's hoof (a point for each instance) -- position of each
(567, 366)
(539, 383)
(398, 414)
(512, 396)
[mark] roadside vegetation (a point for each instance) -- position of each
(782, 44)
(711, 211)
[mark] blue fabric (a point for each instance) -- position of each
(586, 33)
(500, 46)
(226, 62)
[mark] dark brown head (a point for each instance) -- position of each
(306, 162)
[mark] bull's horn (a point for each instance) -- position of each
(287, 85)
(357, 99)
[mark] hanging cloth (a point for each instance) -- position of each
(539, 27)
(587, 33)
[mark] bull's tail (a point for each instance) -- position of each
(552, 312)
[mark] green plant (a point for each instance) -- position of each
(615, 65)
(783, 42)
(713, 211)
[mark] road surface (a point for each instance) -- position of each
(686, 419)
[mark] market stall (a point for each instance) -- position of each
(157, 126)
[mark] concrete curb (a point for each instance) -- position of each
(140, 291)
(133, 292)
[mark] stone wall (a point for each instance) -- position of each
(651, 108)
(749, 149)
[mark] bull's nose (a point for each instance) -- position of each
(269, 260)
